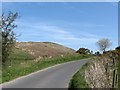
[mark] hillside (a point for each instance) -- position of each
(29, 57)
(44, 49)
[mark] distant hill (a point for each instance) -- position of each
(44, 49)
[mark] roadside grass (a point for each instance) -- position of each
(23, 63)
(78, 80)
(0, 74)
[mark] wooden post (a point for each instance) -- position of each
(113, 82)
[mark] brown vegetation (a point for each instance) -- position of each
(44, 49)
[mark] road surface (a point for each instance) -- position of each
(57, 76)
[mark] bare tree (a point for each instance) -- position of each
(103, 44)
(8, 36)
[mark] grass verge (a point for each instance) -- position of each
(22, 64)
(78, 80)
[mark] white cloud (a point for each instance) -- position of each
(50, 28)
(61, 33)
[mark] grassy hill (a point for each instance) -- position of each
(28, 57)
(44, 49)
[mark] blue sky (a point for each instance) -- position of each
(71, 24)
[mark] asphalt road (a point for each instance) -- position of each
(57, 76)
